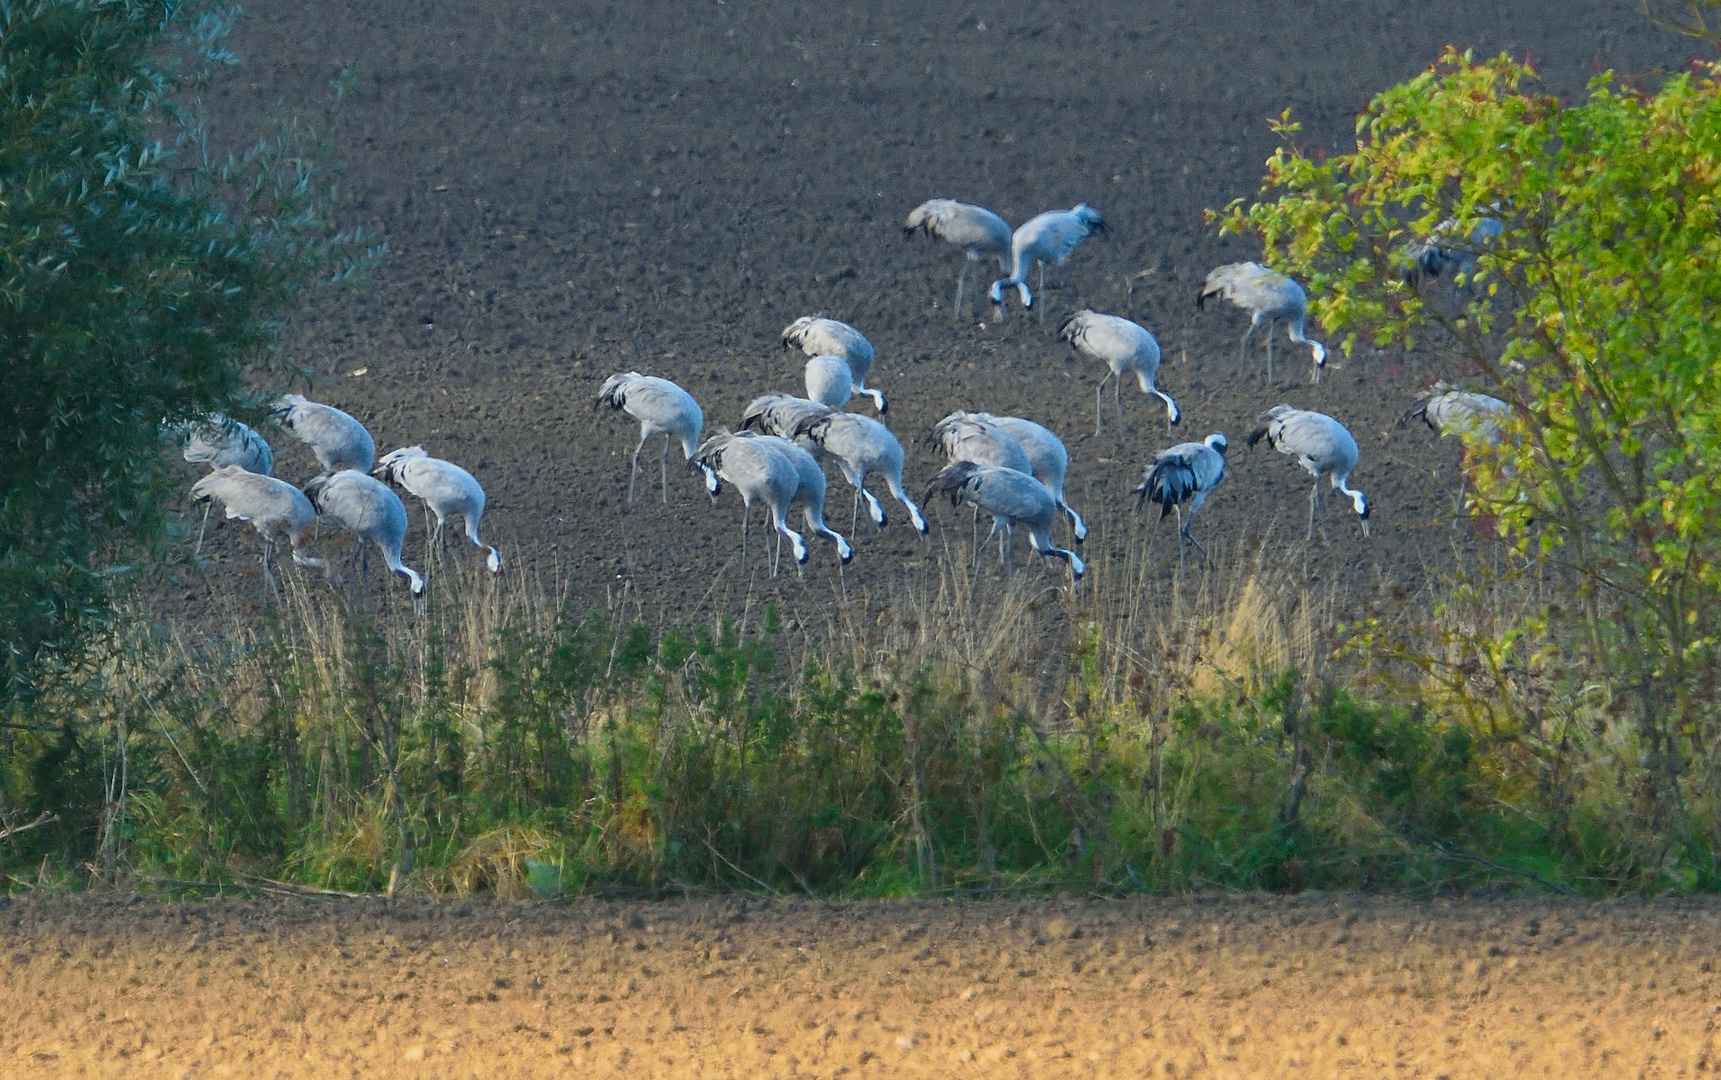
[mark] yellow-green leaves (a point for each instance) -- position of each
(1595, 312)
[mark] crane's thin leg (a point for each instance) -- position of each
(771, 520)
(1270, 325)
(746, 513)
(1199, 546)
(1117, 399)
(1181, 536)
(1317, 505)
(1099, 410)
(1042, 292)
(961, 280)
(854, 515)
(1243, 351)
(984, 542)
(268, 586)
(208, 506)
(663, 468)
(634, 475)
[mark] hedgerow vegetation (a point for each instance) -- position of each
(954, 741)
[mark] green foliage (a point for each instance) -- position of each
(137, 277)
(1592, 316)
(583, 756)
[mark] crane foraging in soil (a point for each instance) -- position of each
(964, 437)
(860, 445)
(830, 381)
(1123, 346)
(278, 511)
(1184, 475)
(1451, 411)
(338, 440)
(1436, 254)
(444, 487)
(363, 505)
(1012, 498)
(1321, 445)
(1048, 237)
(760, 472)
(1465, 414)
(818, 336)
(662, 408)
(809, 489)
(1269, 296)
(976, 230)
(219, 442)
(1048, 460)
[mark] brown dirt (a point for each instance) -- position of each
(573, 191)
(1239, 987)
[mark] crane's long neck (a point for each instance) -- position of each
(1341, 481)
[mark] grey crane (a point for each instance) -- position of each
(1466, 414)
(444, 487)
(361, 504)
(1323, 447)
(1123, 346)
(1048, 460)
(830, 381)
(860, 445)
(1047, 237)
(276, 509)
(1012, 498)
(964, 437)
(815, 335)
(1451, 411)
(1268, 296)
(1184, 475)
(1438, 253)
(976, 230)
(218, 441)
(662, 408)
(809, 490)
(338, 440)
(760, 472)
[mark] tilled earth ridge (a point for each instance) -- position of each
(1314, 986)
(572, 190)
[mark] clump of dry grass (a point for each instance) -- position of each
(493, 863)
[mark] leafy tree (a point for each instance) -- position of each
(1593, 315)
(138, 277)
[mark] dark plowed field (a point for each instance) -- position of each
(575, 189)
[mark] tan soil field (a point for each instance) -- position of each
(1235, 987)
